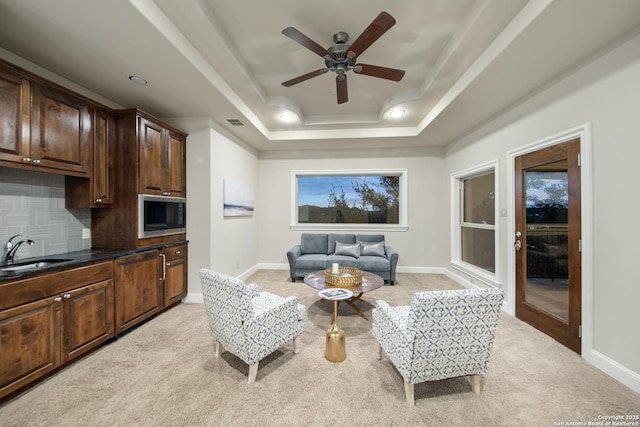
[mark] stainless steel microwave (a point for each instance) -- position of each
(160, 215)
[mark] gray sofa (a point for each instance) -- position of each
(366, 252)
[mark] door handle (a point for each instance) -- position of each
(517, 245)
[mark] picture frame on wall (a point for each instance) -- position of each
(237, 199)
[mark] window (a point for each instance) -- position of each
(353, 199)
(474, 234)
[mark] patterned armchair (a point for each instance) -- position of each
(248, 323)
(442, 334)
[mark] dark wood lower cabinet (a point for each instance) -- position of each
(87, 318)
(138, 292)
(29, 343)
(51, 319)
(175, 274)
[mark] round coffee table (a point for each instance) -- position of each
(370, 282)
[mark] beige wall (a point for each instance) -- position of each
(227, 245)
(605, 95)
(417, 246)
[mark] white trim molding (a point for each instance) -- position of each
(403, 224)
(486, 277)
(586, 183)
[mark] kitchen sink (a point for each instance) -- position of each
(30, 265)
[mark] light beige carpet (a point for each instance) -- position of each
(164, 374)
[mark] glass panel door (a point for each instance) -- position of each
(547, 204)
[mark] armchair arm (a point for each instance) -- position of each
(391, 330)
(395, 319)
(292, 255)
(392, 256)
(265, 337)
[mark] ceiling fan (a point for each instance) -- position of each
(342, 57)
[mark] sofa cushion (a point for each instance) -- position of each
(311, 243)
(350, 249)
(344, 238)
(372, 248)
(370, 238)
(373, 263)
(312, 262)
(342, 260)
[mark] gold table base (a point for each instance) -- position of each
(335, 349)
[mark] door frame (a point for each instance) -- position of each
(584, 133)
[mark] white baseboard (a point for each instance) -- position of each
(193, 297)
(614, 369)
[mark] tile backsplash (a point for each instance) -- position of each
(32, 204)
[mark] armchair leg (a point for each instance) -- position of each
(475, 383)
(379, 350)
(296, 348)
(217, 349)
(408, 392)
(253, 371)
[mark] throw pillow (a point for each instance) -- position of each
(350, 249)
(372, 248)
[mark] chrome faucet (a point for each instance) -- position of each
(11, 248)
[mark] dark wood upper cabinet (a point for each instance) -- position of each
(99, 190)
(60, 130)
(15, 113)
(43, 126)
(162, 157)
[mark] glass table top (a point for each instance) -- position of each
(370, 282)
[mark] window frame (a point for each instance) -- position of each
(457, 223)
(402, 173)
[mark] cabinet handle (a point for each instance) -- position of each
(164, 266)
(168, 264)
(57, 299)
(166, 193)
(98, 201)
(26, 160)
(178, 252)
(36, 162)
(66, 296)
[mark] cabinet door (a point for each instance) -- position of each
(138, 289)
(87, 318)
(152, 157)
(175, 283)
(176, 174)
(29, 343)
(104, 140)
(60, 130)
(14, 117)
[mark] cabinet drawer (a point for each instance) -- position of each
(175, 252)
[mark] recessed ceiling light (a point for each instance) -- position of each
(138, 80)
(287, 117)
(396, 114)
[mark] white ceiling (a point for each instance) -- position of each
(465, 60)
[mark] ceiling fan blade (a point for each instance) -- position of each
(341, 88)
(305, 41)
(373, 32)
(304, 77)
(381, 72)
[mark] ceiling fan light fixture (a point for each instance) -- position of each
(397, 113)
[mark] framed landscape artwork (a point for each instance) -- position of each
(237, 198)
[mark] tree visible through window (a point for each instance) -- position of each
(349, 199)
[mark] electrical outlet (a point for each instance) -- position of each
(86, 233)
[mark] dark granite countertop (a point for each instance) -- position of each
(71, 260)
